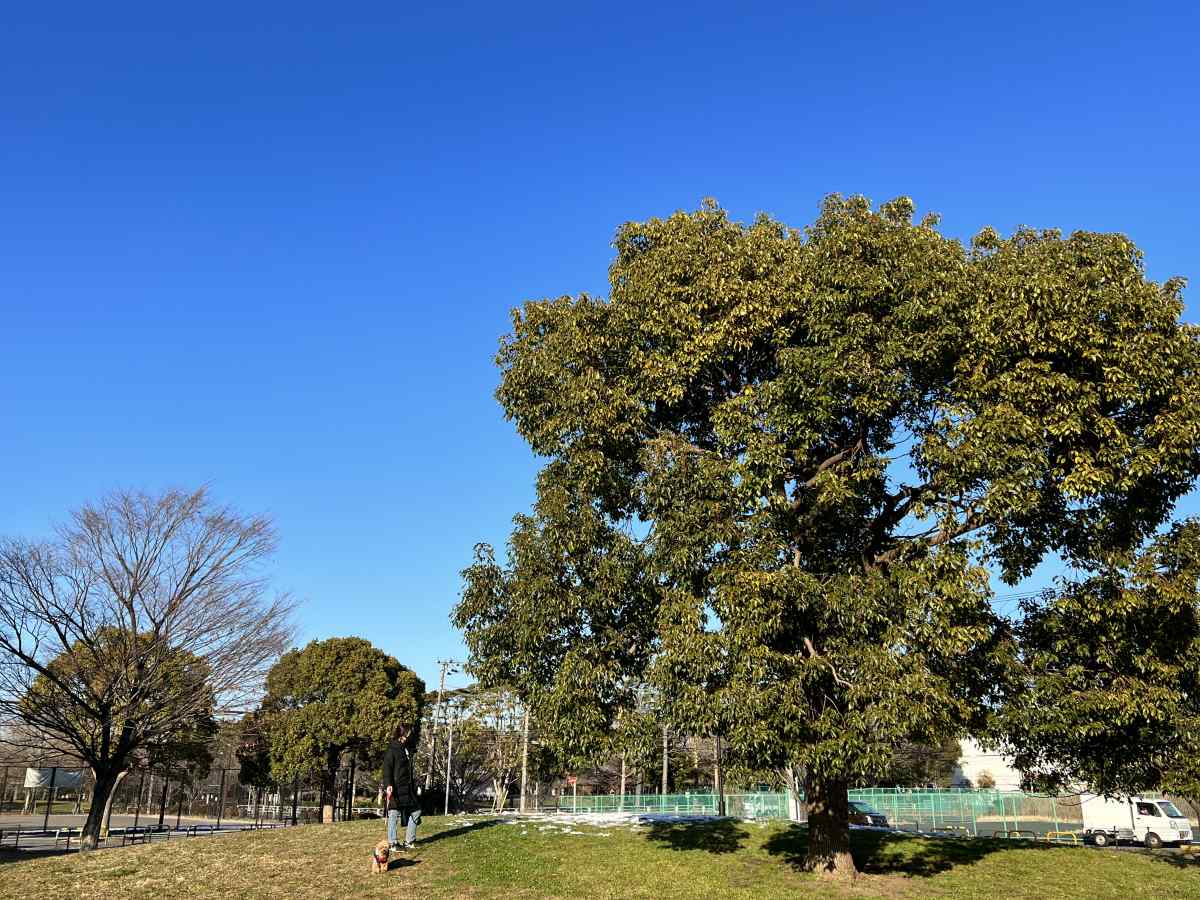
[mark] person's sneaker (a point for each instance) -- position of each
(397, 847)
(409, 845)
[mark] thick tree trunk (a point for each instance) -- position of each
(162, 801)
(828, 828)
(106, 782)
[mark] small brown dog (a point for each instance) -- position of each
(379, 856)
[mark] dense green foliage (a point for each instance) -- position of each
(331, 697)
(782, 464)
(1111, 677)
(163, 720)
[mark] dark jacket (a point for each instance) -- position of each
(398, 773)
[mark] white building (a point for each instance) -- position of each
(975, 762)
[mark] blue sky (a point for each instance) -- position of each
(271, 248)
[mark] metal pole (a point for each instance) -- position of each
(524, 757)
(221, 799)
(49, 798)
(449, 753)
(575, 795)
(295, 797)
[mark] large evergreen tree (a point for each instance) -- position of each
(782, 464)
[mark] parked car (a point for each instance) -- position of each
(1142, 820)
(861, 814)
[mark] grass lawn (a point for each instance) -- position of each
(488, 858)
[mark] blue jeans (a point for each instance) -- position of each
(410, 831)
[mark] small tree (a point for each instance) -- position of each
(254, 755)
(496, 717)
(916, 764)
(331, 697)
(145, 618)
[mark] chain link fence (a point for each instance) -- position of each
(38, 797)
(967, 812)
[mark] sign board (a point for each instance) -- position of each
(571, 779)
(65, 779)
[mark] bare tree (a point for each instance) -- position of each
(146, 617)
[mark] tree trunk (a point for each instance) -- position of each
(112, 795)
(162, 802)
(828, 828)
(623, 788)
(524, 757)
(664, 765)
(106, 782)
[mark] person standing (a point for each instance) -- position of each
(399, 786)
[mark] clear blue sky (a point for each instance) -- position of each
(272, 249)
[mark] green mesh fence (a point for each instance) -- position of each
(975, 812)
(678, 804)
(983, 813)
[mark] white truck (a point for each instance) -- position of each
(1142, 820)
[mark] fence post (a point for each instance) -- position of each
(49, 798)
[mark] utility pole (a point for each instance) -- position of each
(446, 664)
(449, 757)
(524, 757)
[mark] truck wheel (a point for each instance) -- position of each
(1153, 841)
(1100, 839)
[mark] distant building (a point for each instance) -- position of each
(977, 764)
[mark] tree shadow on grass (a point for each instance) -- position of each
(1179, 860)
(8, 854)
(719, 836)
(893, 853)
(457, 832)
